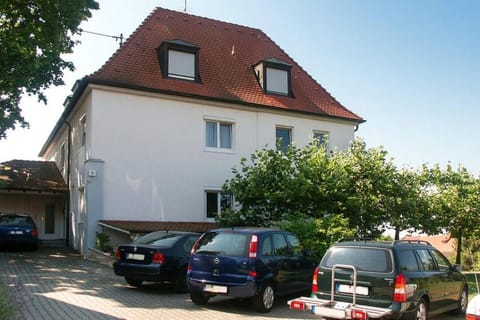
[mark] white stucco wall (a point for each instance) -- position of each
(155, 163)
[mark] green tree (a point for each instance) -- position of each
(33, 36)
(455, 202)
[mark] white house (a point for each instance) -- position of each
(154, 133)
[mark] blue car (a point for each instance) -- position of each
(18, 230)
(256, 263)
(160, 256)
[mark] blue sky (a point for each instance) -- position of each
(411, 68)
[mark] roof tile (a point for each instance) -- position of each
(226, 58)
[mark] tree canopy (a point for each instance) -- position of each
(357, 192)
(33, 37)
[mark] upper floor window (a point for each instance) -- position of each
(274, 76)
(283, 138)
(218, 134)
(62, 158)
(179, 59)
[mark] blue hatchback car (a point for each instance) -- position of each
(18, 230)
(256, 263)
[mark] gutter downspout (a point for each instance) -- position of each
(67, 205)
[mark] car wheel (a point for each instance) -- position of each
(180, 284)
(199, 298)
(263, 301)
(462, 303)
(133, 282)
(421, 311)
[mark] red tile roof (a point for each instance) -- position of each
(149, 226)
(443, 243)
(227, 53)
(38, 176)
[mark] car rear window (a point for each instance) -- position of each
(15, 221)
(228, 244)
(363, 259)
(159, 238)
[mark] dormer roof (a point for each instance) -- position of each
(227, 54)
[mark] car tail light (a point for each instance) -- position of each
(314, 280)
(118, 256)
(34, 232)
(158, 257)
(195, 246)
(252, 251)
(472, 317)
(297, 305)
(358, 314)
(252, 273)
(400, 292)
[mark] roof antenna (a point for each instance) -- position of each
(185, 8)
(117, 38)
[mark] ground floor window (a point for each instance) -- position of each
(216, 202)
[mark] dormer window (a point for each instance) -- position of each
(274, 77)
(179, 60)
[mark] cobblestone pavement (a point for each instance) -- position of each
(58, 284)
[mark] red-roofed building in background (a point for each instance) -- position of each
(154, 133)
(443, 243)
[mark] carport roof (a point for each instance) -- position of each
(27, 175)
(130, 226)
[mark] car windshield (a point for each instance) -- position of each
(15, 221)
(159, 238)
(229, 244)
(363, 259)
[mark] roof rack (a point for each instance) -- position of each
(412, 241)
(356, 239)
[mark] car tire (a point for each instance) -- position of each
(133, 282)
(263, 301)
(421, 312)
(462, 303)
(199, 298)
(180, 283)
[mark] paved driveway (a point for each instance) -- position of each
(58, 284)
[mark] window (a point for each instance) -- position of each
(442, 262)
(321, 138)
(218, 135)
(83, 131)
(407, 260)
(426, 260)
(50, 218)
(273, 75)
(181, 65)
(277, 81)
(283, 138)
(62, 159)
(179, 60)
(217, 202)
(280, 245)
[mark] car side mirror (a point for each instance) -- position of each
(458, 267)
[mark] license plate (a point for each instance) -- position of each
(341, 305)
(344, 288)
(135, 256)
(16, 232)
(215, 289)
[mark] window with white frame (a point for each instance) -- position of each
(181, 64)
(61, 161)
(321, 138)
(283, 138)
(217, 202)
(179, 59)
(277, 81)
(218, 135)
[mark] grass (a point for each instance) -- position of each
(473, 284)
(5, 307)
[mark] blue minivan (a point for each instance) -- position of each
(244, 262)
